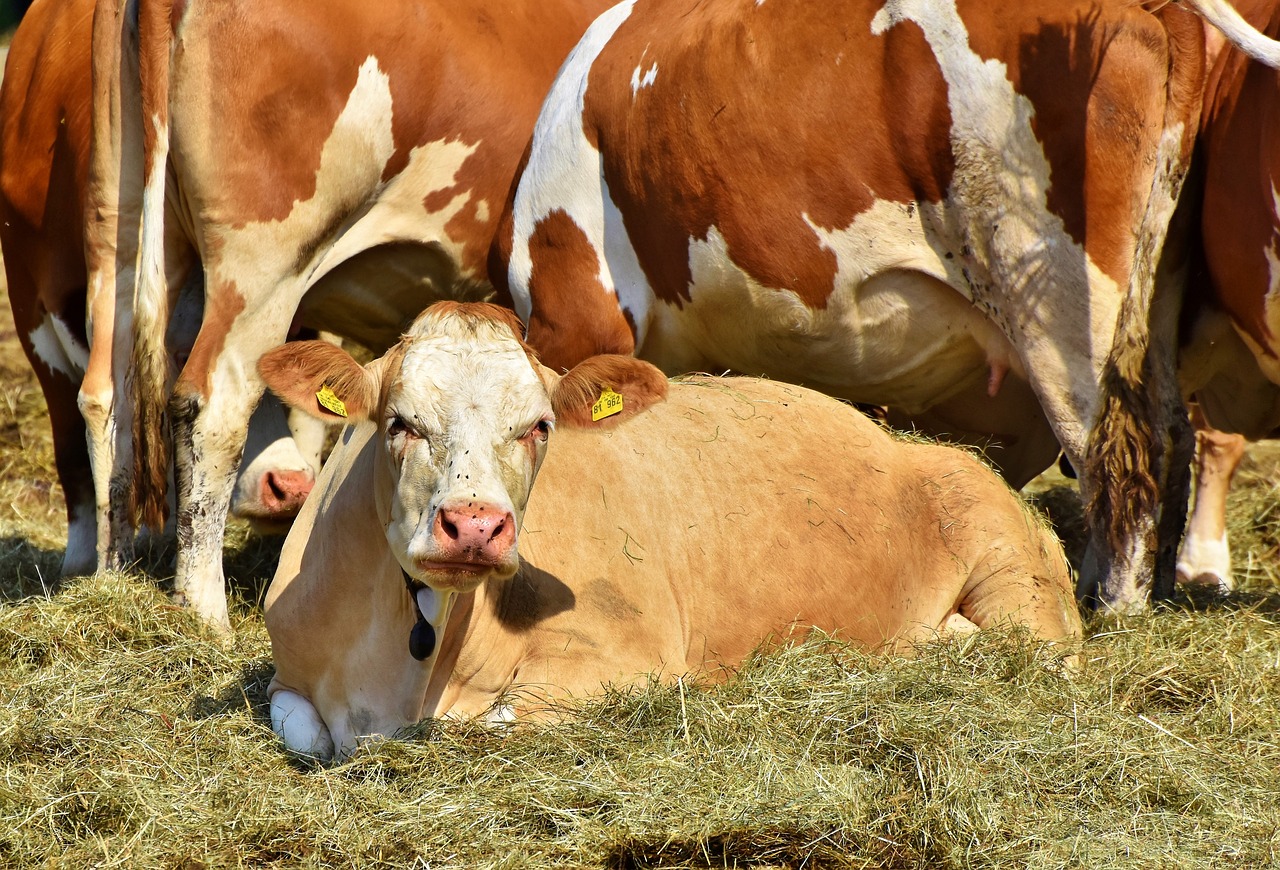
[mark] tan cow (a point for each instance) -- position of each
(423, 579)
(947, 207)
(338, 164)
(44, 153)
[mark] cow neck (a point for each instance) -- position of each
(426, 635)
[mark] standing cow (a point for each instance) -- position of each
(427, 575)
(1231, 361)
(337, 164)
(948, 207)
(44, 152)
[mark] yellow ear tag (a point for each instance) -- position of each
(607, 405)
(329, 400)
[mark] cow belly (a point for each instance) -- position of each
(901, 336)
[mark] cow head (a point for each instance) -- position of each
(464, 411)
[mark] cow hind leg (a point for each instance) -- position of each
(1022, 577)
(297, 722)
(1205, 557)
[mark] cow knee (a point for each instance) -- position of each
(299, 725)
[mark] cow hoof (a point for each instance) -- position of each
(299, 725)
(1204, 578)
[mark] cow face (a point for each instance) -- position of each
(465, 412)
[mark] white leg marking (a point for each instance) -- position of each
(1205, 561)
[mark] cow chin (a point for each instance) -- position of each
(463, 577)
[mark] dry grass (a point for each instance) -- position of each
(130, 738)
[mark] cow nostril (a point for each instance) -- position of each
(449, 528)
(276, 489)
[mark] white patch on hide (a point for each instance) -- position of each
(58, 349)
(639, 81)
(564, 172)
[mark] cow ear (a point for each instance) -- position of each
(605, 390)
(320, 379)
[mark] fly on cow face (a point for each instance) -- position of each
(466, 424)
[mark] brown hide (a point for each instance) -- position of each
(44, 147)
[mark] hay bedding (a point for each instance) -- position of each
(129, 737)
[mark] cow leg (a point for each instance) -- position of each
(103, 403)
(58, 359)
(1205, 557)
(75, 473)
(1138, 446)
(212, 402)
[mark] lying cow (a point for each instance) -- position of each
(734, 511)
(44, 152)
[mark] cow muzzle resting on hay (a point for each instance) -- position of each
(422, 579)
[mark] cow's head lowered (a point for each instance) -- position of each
(464, 410)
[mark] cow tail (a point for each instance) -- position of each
(1135, 449)
(1222, 15)
(150, 364)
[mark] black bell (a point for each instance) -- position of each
(422, 640)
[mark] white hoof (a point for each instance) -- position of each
(298, 724)
(1206, 562)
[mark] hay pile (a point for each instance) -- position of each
(130, 738)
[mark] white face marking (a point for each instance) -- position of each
(464, 404)
(564, 171)
(58, 349)
(278, 441)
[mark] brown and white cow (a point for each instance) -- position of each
(337, 164)
(44, 153)
(943, 206)
(1231, 360)
(427, 575)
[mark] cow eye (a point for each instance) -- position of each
(395, 427)
(540, 430)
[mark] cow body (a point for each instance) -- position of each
(735, 511)
(349, 174)
(44, 152)
(951, 208)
